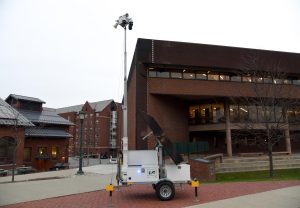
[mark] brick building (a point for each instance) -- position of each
(188, 88)
(101, 127)
(12, 135)
(45, 143)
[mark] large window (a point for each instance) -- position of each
(206, 113)
(42, 151)
(54, 153)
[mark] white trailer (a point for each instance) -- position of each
(148, 166)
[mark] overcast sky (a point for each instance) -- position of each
(66, 52)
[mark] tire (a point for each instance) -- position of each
(165, 190)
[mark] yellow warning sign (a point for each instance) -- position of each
(195, 183)
(109, 188)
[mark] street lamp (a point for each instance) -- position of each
(125, 21)
(81, 118)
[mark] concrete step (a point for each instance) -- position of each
(242, 164)
(256, 168)
(259, 163)
(261, 158)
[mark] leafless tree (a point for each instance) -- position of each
(269, 94)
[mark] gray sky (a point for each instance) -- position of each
(66, 51)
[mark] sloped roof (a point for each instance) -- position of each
(46, 117)
(97, 106)
(21, 97)
(44, 132)
(8, 116)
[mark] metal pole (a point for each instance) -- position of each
(125, 88)
(80, 172)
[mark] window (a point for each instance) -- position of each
(187, 75)
(213, 76)
(287, 81)
(224, 77)
(42, 151)
(296, 81)
(27, 154)
(54, 152)
(176, 75)
(234, 113)
(152, 73)
(201, 75)
(259, 79)
(163, 74)
(247, 79)
(235, 78)
(277, 81)
(268, 80)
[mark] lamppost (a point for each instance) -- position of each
(81, 118)
(125, 21)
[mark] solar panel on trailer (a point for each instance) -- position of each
(167, 144)
(151, 122)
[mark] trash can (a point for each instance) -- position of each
(203, 170)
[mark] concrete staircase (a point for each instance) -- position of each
(244, 164)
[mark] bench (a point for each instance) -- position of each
(215, 156)
(250, 154)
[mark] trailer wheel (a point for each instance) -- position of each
(165, 190)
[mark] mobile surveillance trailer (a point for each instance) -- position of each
(148, 166)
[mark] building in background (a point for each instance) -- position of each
(12, 135)
(46, 143)
(101, 127)
(188, 88)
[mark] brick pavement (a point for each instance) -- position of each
(144, 196)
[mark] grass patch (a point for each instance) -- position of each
(286, 174)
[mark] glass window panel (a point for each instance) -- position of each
(42, 151)
(213, 76)
(291, 115)
(296, 81)
(152, 73)
(54, 152)
(234, 113)
(163, 74)
(218, 113)
(287, 81)
(278, 114)
(224, 77)
(176, 75)
(259, 79)
(201, 75)
(252, 113)
(187, 75)
(206, 114)
(297, 114)
(236, 78)
(268, 80)
(244, 113)
(247, 79)
(277, 81)
(194, 116)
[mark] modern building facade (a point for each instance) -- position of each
(101, 127)
(46, 141)
(198, 93)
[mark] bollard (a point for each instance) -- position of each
(195, 184)
(110, 188)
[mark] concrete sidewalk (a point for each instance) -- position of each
(279, 198)
(35, 186)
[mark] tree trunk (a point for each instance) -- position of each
(270, 159)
